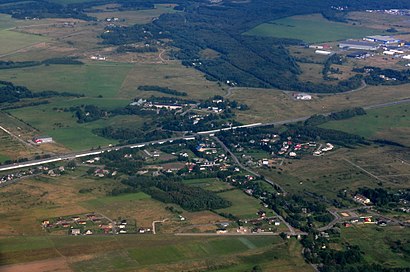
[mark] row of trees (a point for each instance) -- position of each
(13, 93)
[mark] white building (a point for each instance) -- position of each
(303, 96)
(42, 139)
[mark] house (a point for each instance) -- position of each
(302, 96)
(75, 231)
(88, 232)
(221, 231)
(42, 139)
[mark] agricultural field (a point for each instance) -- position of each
(311, 29)
(390, 123)
(157, 253)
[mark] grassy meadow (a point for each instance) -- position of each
(391, 123)
(243, 205)
(310, 28)
(377, 242)
(210, 184)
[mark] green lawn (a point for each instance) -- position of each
(378, 123)
(310, 28)
(211, 184)
(243, 205)
(92, 79)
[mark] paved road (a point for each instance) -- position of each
(210, 132)
(236, 160)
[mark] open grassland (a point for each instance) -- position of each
(311, 29)
(243, 205)
(132, 17)
(272, 104)
(92, 79)
(172, 75)
(392, 123)
(376, 243)
(10, 148)
(210, 184)
(62, 126)
(330, 174)
(12, 41)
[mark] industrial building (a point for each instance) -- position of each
(359, 45)
(381, 39)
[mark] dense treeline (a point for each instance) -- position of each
(160, 89)
(132, 135)
(12, 93)
(171, 190)
(23, 64)
(319, 119)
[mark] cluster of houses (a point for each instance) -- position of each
(88, 224)
(362, 199)
(152, 105)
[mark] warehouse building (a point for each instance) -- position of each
(359, 45)
(381, 39)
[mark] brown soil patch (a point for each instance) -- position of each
(52, 265)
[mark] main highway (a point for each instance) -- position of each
(74, 155)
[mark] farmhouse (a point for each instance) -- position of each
(359, 45)
(42, 139)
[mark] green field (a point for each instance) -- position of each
(391, 123)
(211, 184)
(243, 205)
(311, 29)
(98, 202)
(12, 41)
(158, 253)
(62, 126)
(91, 79)
(376, 243)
